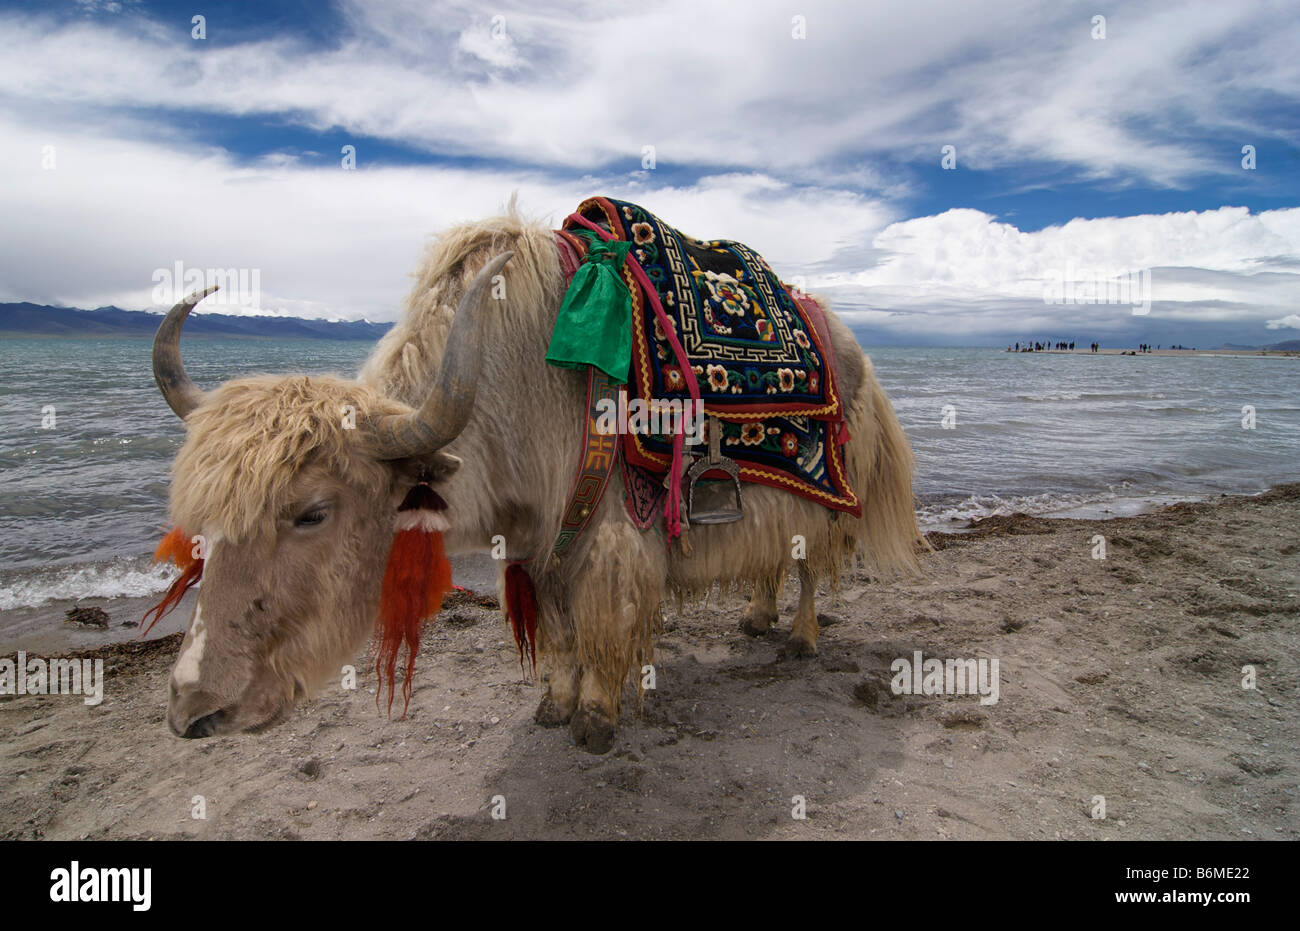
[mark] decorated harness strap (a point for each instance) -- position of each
(599, 452)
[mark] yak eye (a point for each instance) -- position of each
(311, 517)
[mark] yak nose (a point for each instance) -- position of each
(205, 726)
(190, 713)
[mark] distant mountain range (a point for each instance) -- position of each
(27, 320)
(1291, 345)
(40, 320)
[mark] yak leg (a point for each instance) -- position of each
(803, 635)
(555, 648)
(761, 613)
(595, 722)
(614, 597)
(556, 706)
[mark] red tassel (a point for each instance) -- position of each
(177, 547)
(416, 578)
(521, 609)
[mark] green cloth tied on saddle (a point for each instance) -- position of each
(594, 326)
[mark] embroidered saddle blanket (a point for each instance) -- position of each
(760, 354)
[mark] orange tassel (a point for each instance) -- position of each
(176, 547)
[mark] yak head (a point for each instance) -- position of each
(289, 488)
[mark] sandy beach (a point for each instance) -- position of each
(1119, 677)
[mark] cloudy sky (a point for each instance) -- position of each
(936, 167)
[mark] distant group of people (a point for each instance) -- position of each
(1042, 347)
(1068, 345)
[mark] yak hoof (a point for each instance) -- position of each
(592, 730)
(798, 648)
(756, 626)
(550, 714)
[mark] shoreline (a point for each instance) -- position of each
(42, 628)
(1108, 509)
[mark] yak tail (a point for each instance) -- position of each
(888, 537)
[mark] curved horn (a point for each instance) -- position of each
(181, 394)
(450, 403)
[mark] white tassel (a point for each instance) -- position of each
(422, 519)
